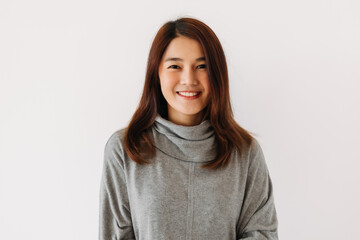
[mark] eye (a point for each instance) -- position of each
(201, 66)
(174, 67)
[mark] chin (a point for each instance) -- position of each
(192, 112)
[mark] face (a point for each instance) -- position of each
(184, 81)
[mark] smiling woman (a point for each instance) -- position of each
(184, 81)
(184, 168)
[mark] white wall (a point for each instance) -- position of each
(71, 73)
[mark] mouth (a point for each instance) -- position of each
(189, 94)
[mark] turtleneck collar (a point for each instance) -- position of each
(188, 143)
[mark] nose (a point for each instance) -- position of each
(188, 77)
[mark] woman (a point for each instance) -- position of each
(183, 168)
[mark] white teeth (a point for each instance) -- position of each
(188, 94)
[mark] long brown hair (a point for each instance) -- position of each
(228, 133)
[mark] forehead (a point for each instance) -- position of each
(184, 47)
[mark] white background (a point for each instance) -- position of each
(71, 73)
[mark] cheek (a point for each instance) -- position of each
(206, 84)
(166, 88)
(167, 83)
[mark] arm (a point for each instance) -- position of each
(258, 218)
(115, 216)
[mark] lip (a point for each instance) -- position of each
(189, 97)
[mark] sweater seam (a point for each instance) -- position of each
(190, 214)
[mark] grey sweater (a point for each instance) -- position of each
(173, 198)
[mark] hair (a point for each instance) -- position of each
(228, 133)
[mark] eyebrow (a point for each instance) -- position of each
(180, 60)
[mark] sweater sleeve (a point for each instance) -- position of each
(258, 217)
(115, 216)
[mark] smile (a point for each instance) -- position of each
(189, 95)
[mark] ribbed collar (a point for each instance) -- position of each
(187, 143)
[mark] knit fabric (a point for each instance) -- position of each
(173, 198)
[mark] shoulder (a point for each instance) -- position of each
(251, 150)
(255, 148)
(116, 138)
(114, 146)
(256, 158)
